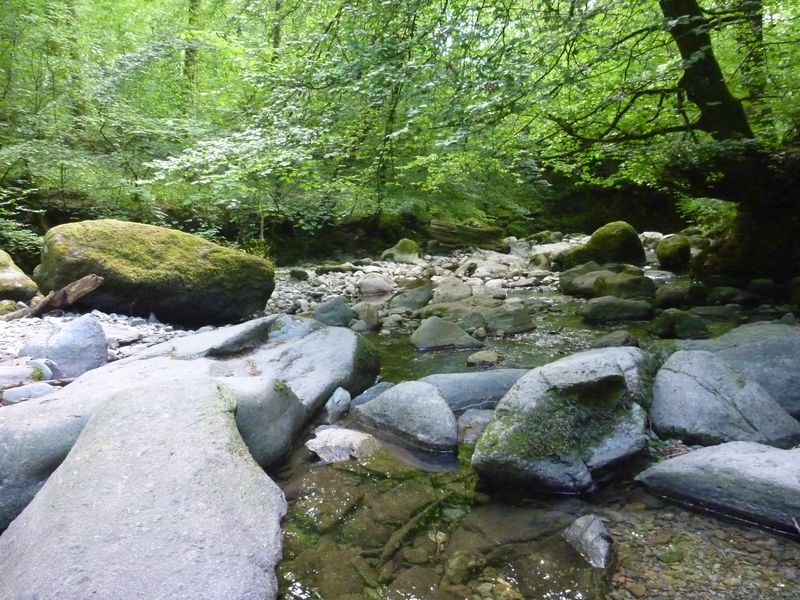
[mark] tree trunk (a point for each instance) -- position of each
(721, 115)
(191, 51)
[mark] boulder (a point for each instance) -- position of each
(335, 312)
(336, 407)
(404, 251)
(27, 392)
(676, 323)
(76, 347)
(568, 422)
(567, 279)
(609, 308)
(14, 284)
(591, 539)
(464, 391)
(615, 242)
(180, 277)
(616, 338)
(699, 398)
(680, 293)
(674, 253)
(743, 479)
(449, 290)
(624, 285)
(414, 296)
(549, 256)
(179, 509)
(766, 353)
(373, 284)
(281, 371)
(508, 319)
(334, 444)
(435, 333)
(484, 358)
(414, 412)
(371, 393)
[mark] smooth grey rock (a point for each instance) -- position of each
(464, 391)
(765, 352)
(334, 444)
(336, 407)
(743, 479)
(413, 296)
(435, 332)
(609, 308)
(563, 425)
(616, 338)
(591, 539)
(483, 358)
(371, 393)
(567, 280)
(375, 285)
(335, 312)
(78, 346)
(413, 411)
(306, 358)
(20, 374)
(676, 323)
(549, 256)
(450, 290)
(624, 285)
(472, 423)
(699, 398)
(508, 318)
(159, 498)
(26, 392)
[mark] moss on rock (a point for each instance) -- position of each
(14, 284)
(180, 277)
(674, 253)
(615, 242)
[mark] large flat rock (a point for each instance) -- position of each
(159, 498)
(742, 479)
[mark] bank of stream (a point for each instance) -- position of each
(386, 527)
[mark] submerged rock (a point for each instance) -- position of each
(743, 479)
(334, 444)
(179, 509)
(567, 421)
(591, 539)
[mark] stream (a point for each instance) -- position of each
(396, 527)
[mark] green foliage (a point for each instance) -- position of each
(713, 216)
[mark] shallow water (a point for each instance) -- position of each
(389, 528)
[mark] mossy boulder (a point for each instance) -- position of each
(180, 277)
(674, 253)
(624, 285)
(675, 323)
(615, 242)
(14, 284)
(404, 251)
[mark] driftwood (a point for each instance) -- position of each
(58, 299)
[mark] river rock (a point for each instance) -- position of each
(472, 423)
(413, 411)
(450, 289)
(375, 285)
(26, 392)
(464, 391)
(180, 277)
(14, 283)
(766, 353)
(76, 347)
(483, 358)
(567, 421)
(335, 312)
(568, 280)
(683, 325)
(549, 256)
(508, 318)
(336, 407)
(280, 369)
(179, 509)
(699, 398)
(371, 393)
(609, 308)
(674, 252)
(591, 539)
(404, 251)
(624, 285)
(334, 444)
(616, 338)
(743, 479)
(434, 333)
(615, 242)
(680, 293)
(414, 296)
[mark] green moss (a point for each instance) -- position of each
(615, 242)
(674, 252)
(37, 374)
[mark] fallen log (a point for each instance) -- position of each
(58, 299)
